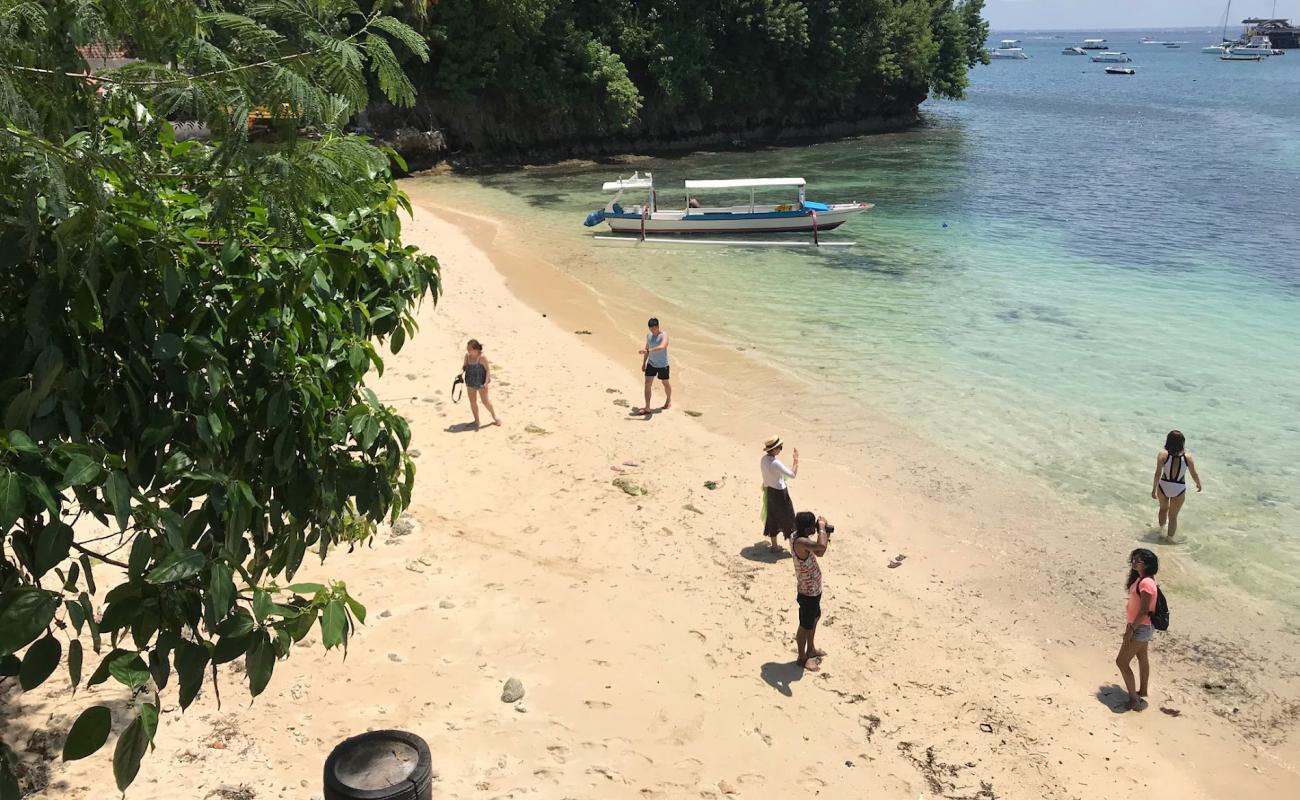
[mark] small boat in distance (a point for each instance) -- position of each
(1074, 51)
(1111, 57)
(1120, 71)
(1009, 48)
(1094, 44)
(1217, 49)
(1257, 44)
(801, 216)
(1236, 54)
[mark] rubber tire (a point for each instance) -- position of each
(418, 785)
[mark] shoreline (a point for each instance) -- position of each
(652, 632)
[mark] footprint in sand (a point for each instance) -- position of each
(558, 752)
(547, 774)
(701, 636)
(598, 704)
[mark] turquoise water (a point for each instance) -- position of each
(1058, 270)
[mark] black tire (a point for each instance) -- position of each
(355, 768)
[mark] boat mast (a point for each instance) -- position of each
(1226, 12)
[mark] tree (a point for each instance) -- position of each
(187, 328)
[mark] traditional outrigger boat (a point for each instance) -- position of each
(802, 216)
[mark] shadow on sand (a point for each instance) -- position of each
(780, 675)
(759, 552)
(1115, 697)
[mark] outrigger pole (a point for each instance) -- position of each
(735, 242)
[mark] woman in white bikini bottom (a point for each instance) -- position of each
(1169, 485)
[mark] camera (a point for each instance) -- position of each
(830, 528)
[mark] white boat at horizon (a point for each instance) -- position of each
(1120, 71)
(1094, 44)
(1009, 48)
(1236, 54)
(1074, 51)
(1111, 57)
(802, 216)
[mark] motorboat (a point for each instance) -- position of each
(1111, 57)
(1094, 44)
(1239, 54)
(1120, 71)
(1074, 51)
(1257, 44)
(1217, 49)
(1172, 45)
(800, 216)
(1009, 48)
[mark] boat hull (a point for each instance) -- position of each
(677, 223)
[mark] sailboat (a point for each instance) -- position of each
(1222, 47)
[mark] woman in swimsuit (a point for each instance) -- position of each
(478, 375)
(1169, 485)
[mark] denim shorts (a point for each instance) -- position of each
(1143, 633)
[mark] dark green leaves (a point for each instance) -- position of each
(132, 744)
(74, 663)
(80, 471)
(168, 346)
(39, 663)
(177, 567)
(117, 490)
(52, 545)
(24, 613)
(191, 660)
(88, 733)
(11, 499)
(260, 662)
(130, 670)
(221, 592)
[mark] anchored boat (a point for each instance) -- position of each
(801, 216)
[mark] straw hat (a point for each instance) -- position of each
(772, 443)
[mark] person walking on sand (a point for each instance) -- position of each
(478, 374)
(1143, 566)
(808, 578)
(778, 509)
(1169, 485)
(654, 363)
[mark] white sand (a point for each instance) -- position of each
(654, 636)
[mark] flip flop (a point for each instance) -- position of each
(812, 665)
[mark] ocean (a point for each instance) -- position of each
(1058, 270)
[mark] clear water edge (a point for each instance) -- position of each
(1057, 271)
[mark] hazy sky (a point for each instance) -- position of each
(1097, 14)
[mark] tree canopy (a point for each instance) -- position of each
(538, 73)
(188, 325)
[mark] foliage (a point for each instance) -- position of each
(574, 69)
(187, 329)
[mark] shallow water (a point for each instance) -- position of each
(1058, 270)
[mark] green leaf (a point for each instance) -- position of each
(88, 733)
(141, 552)
(11, 499)
(9, 666)
(52, 545)
(358, 610)
(167, 347)
(81, 470)
(74, 663)
(101, 672)
(159, 665)
(118, 491)
(300, 626)
(221, 592)
(262, 604)
(132, 745)
(177, 566)
(130, 670)
(39, 663)
(229, 648)
(333, 625)
(171, 284)
(259, 663)
(191, 660)
(26, 612)
(304, 588)
(22, 443)
(76, 615)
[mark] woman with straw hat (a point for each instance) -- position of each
(778, 509)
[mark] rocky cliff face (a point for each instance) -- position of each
(494, 128)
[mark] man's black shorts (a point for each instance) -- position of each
(652, 371)
(810, 610)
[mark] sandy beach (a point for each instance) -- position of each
(653, 633)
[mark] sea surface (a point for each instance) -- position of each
(1058, 270)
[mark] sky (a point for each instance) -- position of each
(1102, 14)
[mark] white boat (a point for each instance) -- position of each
(1094, 44)
(1009, 48)
(1217, 49)
(1111, 57)
(1238, 54)
(1259, 45)
(801, 216)
(1074, 51)
(1120, 71)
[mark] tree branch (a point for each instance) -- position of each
(93, 554)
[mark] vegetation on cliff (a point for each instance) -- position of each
(512, 74)
(187, 326)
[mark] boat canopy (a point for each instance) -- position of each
(627, 183)
(745, 183)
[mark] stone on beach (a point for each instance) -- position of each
(513, 691)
